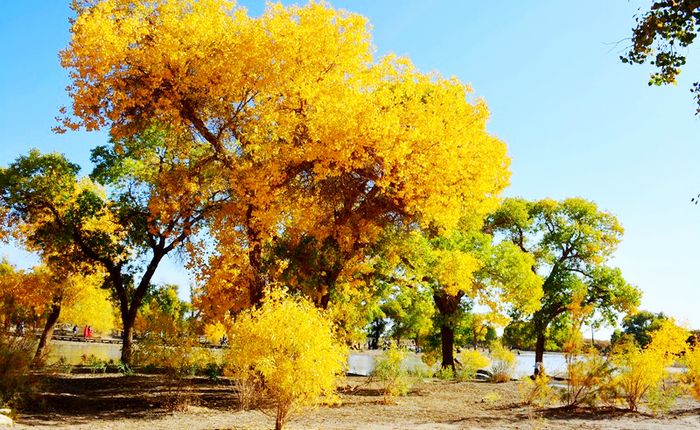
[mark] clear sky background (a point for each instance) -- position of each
(577, 121)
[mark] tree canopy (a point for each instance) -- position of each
(640, 326)
(571, 241)
(319, 140)
(124, 230)
(660, 37)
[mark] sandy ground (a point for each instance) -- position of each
(92, 402)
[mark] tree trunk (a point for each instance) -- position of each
(447, 339)
(255, 259)
(539, 353)
(127, 341)
(281, 417)
(129, 306)
(46, 335)
(330, 280)
(448, 306)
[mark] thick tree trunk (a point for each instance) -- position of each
(129, 306)
(539, 353)
(127, 341)
(325, 299)
(447, 306)
(256, 288)
(447, 339)
(257, 284)
(324, 296)
(46, 335)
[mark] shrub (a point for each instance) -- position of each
(395, 379)
(661, 398)
(430, 357)
(421, 371)
(692, 376)
(491, 397)
(94, 363)
(642, 371)
(178, 355)
(502, 363)
(176, 352)
(124, 369)
(589, 379)
(445, 373)
(15, 359)
(472, 361)
(288, 346)
(537, 391)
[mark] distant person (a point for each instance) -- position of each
(20, 328)
(75, 330)
(86, 331)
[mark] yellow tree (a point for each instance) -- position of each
(40, 295)
(89, 304)
(318, 139)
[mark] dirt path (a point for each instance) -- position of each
(141, 402)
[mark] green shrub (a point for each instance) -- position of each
(94, 363)
(394, 377)
(445, 373)
(125, 369)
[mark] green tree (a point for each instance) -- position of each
(163, 313)
(571, 241)
(661, 36)
(467, 265)
(519, 334)
(160, 195)
(640, 326)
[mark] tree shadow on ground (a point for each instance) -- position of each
(586, 413)
(72, 400)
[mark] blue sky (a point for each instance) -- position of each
(576, 120)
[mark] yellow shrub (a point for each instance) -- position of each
(288, 345)
(16, 380)
(472, 361)
(644, 371)
(536, 391)
(692, 376)
(590, 377)
(502, 363)
(214, 332)
(431, 357)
